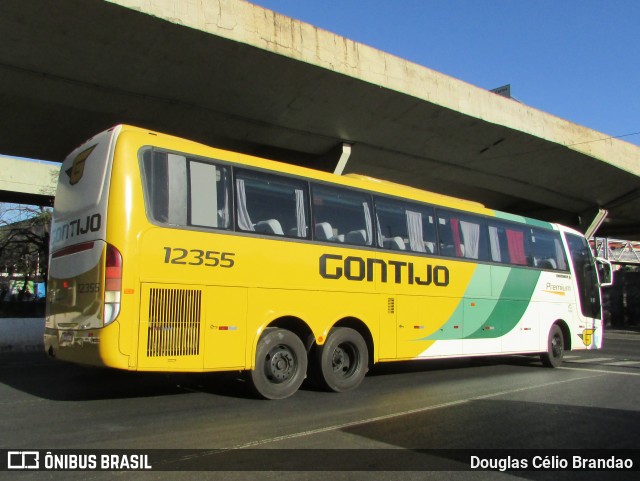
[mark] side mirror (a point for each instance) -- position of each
(605, 272)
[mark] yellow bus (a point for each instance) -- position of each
(168, 255)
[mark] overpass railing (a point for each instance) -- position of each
(617, 251)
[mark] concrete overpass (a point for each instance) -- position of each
(26, 181)
(234, 75)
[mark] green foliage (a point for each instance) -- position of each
(24, 247)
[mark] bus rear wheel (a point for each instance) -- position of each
(555, 348)
(342, 362)
(281, 364)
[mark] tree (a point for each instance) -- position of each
(24, 246)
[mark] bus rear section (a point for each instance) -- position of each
(84, 287)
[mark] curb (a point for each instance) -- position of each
(21, 334)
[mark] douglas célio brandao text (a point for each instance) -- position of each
(552, 462)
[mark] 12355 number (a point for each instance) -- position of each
(198, 257)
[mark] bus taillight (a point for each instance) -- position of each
(113, 284)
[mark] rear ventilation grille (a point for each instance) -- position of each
(391, 306)
(174, 322)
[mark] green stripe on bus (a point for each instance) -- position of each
(490, 318)
(510, 307)
(521, 219)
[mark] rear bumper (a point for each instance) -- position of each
(95, 347)
(79, 346)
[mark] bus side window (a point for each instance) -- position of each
(271, 204)
(154, 170)
(507, 243)
(185, 191)
(462, 235)
(209, 195)
(165, 182)
(404, 226)
(547, 250)
(341, 215)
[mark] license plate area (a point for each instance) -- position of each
(66, 337)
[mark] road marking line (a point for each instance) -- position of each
(385, 417)
(593, 359)
(600, 370)
(623, 363)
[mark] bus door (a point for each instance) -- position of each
(586, 277)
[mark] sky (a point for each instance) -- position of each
(575, 59)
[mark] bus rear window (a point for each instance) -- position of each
(185, 191)
(84, 179)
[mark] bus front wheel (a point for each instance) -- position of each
(342, 362)
(555, 348)
(281, 364)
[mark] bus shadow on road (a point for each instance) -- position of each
(38, 375)
(452, 364)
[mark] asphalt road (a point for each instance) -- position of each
(591, 403)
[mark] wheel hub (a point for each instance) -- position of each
(556, 346)
(341, 361)
(280, 365)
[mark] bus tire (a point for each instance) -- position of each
(342, 361)
(555, 348)
(281, 364)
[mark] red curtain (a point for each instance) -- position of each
(515, 242)
(455, 228)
